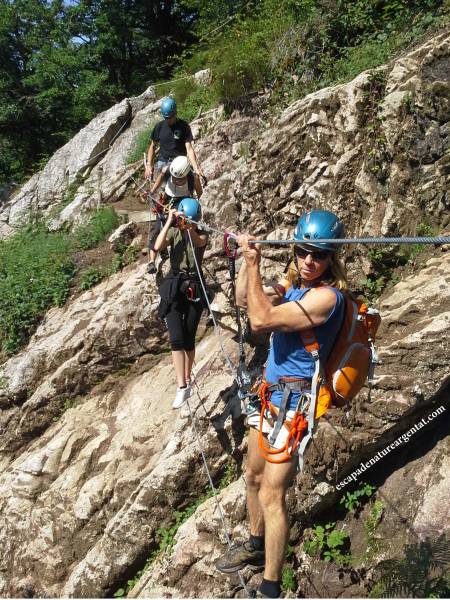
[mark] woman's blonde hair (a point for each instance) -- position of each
(334, 276)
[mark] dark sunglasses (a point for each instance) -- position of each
(315, 254)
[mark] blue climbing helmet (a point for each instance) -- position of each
(317, 224)
(168, 107)
(190, 207)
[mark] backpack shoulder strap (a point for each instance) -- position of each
(309, 340)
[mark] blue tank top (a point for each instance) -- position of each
(287, 355)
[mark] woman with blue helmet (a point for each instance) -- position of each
(181, 290)
(311, 297)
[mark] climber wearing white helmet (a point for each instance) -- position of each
(179, 183)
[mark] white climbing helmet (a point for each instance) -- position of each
(180, 167)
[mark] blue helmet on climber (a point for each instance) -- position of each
(190, 207)
(317, 224)
(168, 107)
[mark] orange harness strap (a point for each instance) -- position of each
(296, 428)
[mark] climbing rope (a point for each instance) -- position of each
(216, 326)
(214, 492)
(243, 378)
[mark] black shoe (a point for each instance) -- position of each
(240, 556)
(151, 268)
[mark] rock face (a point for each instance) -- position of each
(373, 150)
(93, 461)
(101, 331)
(74, 163)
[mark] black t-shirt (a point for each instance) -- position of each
(172, 138)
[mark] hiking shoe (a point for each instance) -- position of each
(151, 268)
(181, 396)
(259, 594)
(240, 556)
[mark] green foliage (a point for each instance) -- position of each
(165, 537)
(353, 500)
(63, 63)
(102, 222)
(69, 194)
(192, 98)
(90, 277)
(298, 47)
(383, 262)
(413, 251)
(94, 275)
(386, 259)
(141, 143)
(36, 269)
(124, 591)
(288, 582)
(229, 475)
(328, 543)
(421, 573)
(371, 525)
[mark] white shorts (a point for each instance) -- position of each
(268, 425)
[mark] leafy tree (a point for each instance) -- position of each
(61, 64)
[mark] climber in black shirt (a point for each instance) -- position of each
(174, 137)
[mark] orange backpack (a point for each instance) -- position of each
(352, 358)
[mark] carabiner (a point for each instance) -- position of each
(230, 245)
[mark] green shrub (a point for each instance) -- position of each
(103, 221)
(421, 573)
(190, 96)
(90, 277)
(288, 583)
(371, 525)
(353, 500)
(413, 250)
(141, 143)
(36, 269)
(327, 543)
(94, 275)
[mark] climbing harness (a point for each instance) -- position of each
(300, 426)
(277, 418)
(336, 384)
(350, 363)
